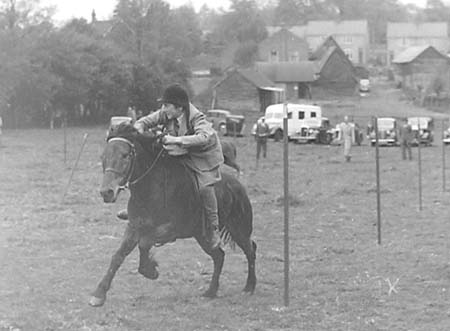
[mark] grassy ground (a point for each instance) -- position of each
(53, 251)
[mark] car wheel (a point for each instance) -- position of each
(278, 135)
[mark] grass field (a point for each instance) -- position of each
(54, 250)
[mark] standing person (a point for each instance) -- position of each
(347, 137)
(193, 135)
(131, 112)
(261, 135)
(406, 138)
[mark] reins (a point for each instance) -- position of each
(133, 161)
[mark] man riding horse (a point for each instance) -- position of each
(190, 133)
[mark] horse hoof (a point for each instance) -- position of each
(96, 302)
(210, 294)
(150, 274)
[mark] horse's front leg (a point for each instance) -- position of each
(147, 264)
(129, 242)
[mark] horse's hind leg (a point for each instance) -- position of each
(129, 242)
(218, 256)
(249, 248)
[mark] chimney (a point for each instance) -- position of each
(93, 16)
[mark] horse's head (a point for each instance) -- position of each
(119, 159)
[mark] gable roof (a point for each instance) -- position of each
(323, 48)
(102, 27)
(429, 29)
(320, 28)
(303, 71)
(285, 33)
(254, 77)
(411, 53)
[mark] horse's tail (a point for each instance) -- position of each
(239, 222)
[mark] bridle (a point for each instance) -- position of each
(126, 182)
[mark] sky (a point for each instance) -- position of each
(67, 9)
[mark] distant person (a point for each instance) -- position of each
(131, 112)
(261, 135)
(347, 138)
(406, 138)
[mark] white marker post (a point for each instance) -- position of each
(286, 203)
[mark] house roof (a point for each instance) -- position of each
(303, 71)
(256, 78)
(412, 53)
(430, 29)
(319, 28)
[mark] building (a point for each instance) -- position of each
(418, 69)
(244, 90)
(283, 45)
(352, 36)
(295, 78)
(401, 36)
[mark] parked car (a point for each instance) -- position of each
(296, 114)
(446, 138)
(422, 128)
(364, 87)
(314, 130)
(235, 125)
(358, 134)
(218, 118)
(387, 132)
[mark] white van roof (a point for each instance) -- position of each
(291, 106)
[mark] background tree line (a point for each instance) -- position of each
(85, 74)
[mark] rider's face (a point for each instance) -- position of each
(171, 110)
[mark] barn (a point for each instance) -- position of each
(244, 90)
(419, 69)
(336, 73)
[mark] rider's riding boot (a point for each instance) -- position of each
(122, 214)
(212, 217)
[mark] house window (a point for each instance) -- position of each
(301, 115)
(294, 56)
(348, 52)
(347, 40)
(273, 55)
(313, 114)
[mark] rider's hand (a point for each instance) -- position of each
(171, 140)
(139, 127)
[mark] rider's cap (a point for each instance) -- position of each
(176, 95)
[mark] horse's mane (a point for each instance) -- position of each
(129, 132)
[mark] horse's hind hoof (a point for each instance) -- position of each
(96, 302)
(210, 294)
(150, 273)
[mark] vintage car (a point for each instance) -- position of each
(314, 130)
(422, 128)
(358, 134)
(235, 125)
(364, 87)
(446, 138)
(218, 118)
(387, 132)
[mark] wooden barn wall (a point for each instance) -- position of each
(237, 94)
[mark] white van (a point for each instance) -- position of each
(297, 113)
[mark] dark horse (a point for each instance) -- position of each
(164, 205)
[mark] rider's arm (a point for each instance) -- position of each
(149, 121)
